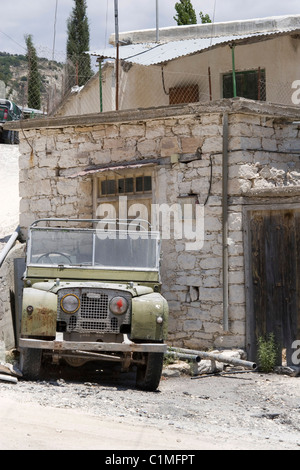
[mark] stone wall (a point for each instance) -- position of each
(263, 168)
(261, 162)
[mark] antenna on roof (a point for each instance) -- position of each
(157, 22)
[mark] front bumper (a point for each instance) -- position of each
(61, 346)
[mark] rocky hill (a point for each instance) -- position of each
(14, 73)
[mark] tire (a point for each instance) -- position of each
(16, 138)
(31, 363)
(148, 376)
(8, 137)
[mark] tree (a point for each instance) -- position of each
(78, 44)
(34, 79)
(204, 18)
(185, 13)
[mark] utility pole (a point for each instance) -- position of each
(233, 70)
(117, 57)
(54, 33)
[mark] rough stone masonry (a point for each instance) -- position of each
(189, 146)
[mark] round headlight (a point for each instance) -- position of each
(70, 303)
(118, 305)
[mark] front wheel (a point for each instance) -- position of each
(149, 374)
(31, 363)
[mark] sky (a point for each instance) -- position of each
(37, 17)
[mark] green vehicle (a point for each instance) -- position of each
(92, 293)
(9, 111)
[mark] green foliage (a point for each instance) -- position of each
(169, 359)
(185, 13)
(78, 43)
(267, 353)
(34, 79)
(15, 74)
(6, 62)
(204, 18)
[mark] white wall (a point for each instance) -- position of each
(279, 57)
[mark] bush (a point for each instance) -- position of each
(267, 353)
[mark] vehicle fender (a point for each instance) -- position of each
(147, 312)
(42, 320)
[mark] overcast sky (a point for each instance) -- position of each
(37, 17)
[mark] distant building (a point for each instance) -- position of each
(197, 63)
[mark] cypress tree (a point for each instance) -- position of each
(78, 43)
(185, 13)
(34, 79)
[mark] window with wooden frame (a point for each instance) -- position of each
(136, 187)
(125, 185)
(250, 84)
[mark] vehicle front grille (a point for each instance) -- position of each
(94, 314)
(94, 305)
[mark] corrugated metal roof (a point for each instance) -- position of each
(154, 54)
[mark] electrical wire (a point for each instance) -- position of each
(210, 180)
(9, 37)
(142, 52)
(163, 81)
(213, 22)
(106, 23)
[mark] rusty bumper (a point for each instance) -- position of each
(60, 346)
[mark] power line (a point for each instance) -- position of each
(9, 37)
(213, 22)
(106, 22)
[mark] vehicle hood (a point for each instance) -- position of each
(135, 290)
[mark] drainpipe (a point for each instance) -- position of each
(209, 84)
(233, 70)
(225, 221)
(100, 85)
(9, 245)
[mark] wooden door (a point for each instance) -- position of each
(274, 281)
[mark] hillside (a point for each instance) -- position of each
(14, 73)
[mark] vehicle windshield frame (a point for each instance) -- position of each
(94, 248)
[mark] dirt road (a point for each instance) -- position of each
(9, 189)
(238, 411)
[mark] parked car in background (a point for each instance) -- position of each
(9, 111)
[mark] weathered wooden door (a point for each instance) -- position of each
(274, 281)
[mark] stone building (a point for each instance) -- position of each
(234, 161)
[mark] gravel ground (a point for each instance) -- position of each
(233, 411)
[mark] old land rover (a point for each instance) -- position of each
(91, 292)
